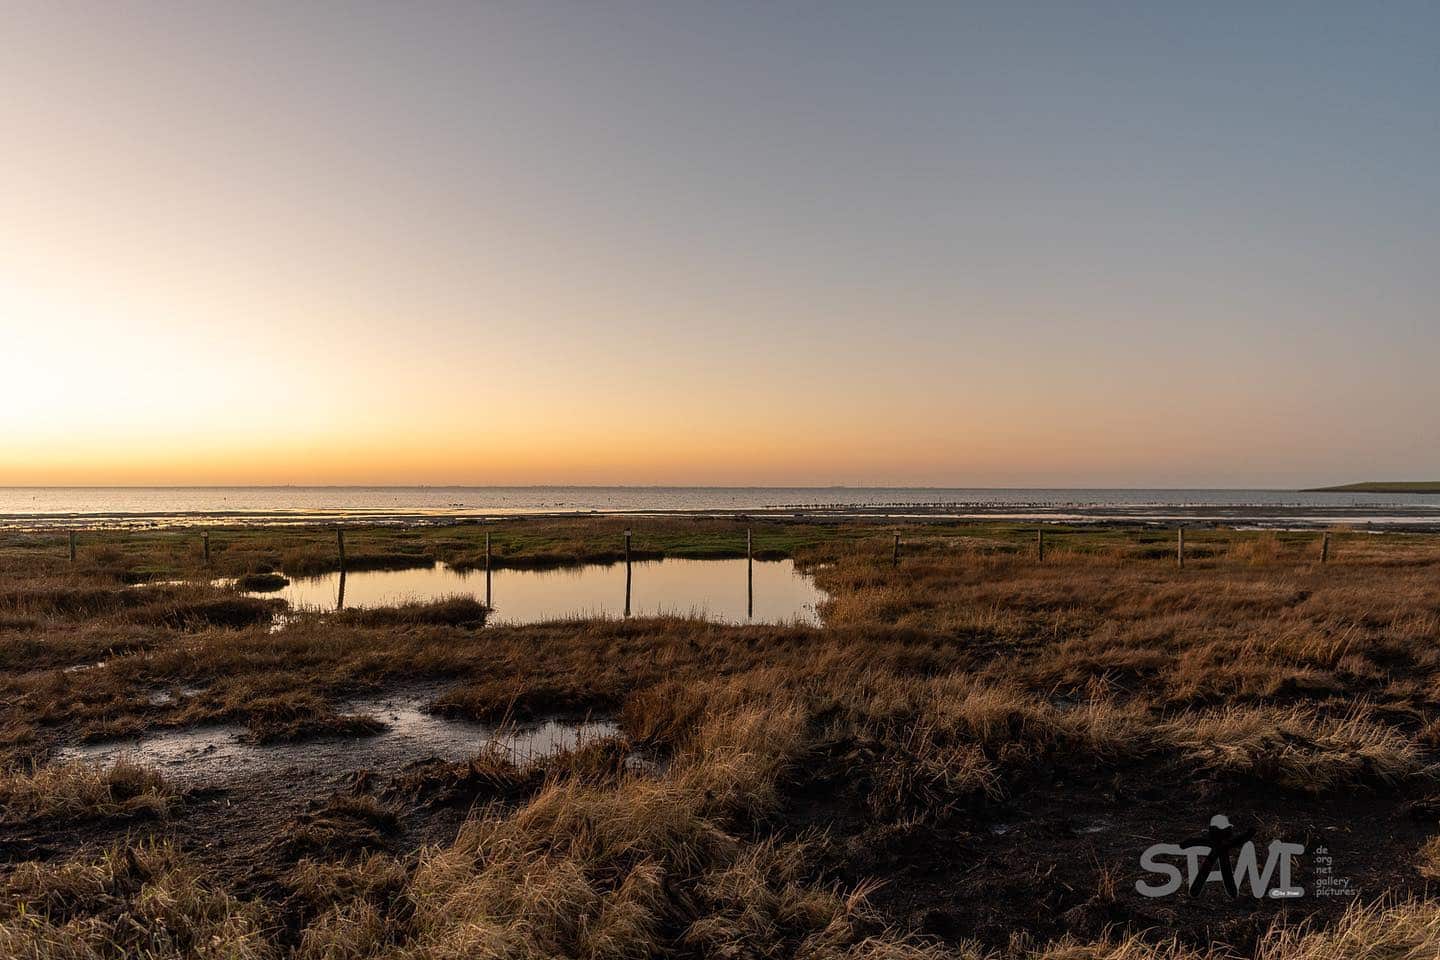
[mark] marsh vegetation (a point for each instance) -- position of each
(966, 759)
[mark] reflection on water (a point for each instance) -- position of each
(220, 753)
(729, 591)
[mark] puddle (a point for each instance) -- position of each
(726, 591)
(166, 698)
(217, 754)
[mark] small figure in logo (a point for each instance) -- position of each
(1222, 839)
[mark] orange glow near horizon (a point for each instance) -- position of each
(114, 392)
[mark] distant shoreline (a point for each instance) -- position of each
(1381, 486)
(151, 507)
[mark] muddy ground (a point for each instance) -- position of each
(1058, 857)
(1062, 856)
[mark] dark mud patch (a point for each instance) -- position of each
(1062, 856)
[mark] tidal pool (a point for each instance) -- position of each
(726, 591)
(218, 754)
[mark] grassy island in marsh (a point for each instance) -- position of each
(966, 760)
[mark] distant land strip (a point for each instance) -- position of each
(1381, 486)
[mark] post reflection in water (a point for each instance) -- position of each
(627, 584)
(749, 575)
(775, 592)
(627, 573)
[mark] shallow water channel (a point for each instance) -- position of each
(725, 591)
(216, 754)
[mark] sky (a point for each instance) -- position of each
(963, 244)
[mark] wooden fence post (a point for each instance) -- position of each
(340, 542)
(487, 568)
(895, 556)
(1180, 548)
(1325, 547)
(72, 546)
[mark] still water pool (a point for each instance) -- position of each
(726, 591)
(217, 754)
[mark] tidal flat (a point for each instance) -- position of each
(965, 752)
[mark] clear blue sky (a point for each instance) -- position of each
(972, 244)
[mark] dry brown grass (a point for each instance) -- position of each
(1297, 748)
(79, 790)
(938, 687)
(129, 902)
(1407, 931)
(1428, 860)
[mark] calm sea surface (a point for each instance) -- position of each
(50, 507)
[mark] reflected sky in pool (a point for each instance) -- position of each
(719, 590)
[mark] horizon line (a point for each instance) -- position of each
(629, 486)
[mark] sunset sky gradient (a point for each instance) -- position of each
(1007, 244)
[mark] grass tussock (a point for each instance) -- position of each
(1296, 748)
(262, 581)
(131, 901)
(287, 718)
(76, 791)
(457, 611)
(1428, 860)
(342, 825)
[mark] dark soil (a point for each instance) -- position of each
(1062, 854)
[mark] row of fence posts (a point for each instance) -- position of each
(629, 571)
(749, 558)
(1179, 546)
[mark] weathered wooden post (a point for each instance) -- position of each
(1040, 544)
(1325, 547)
(72, 546)
(340, 597)
(205, 545)
(340, 543)
(1180, 548)
(895, 554)
(487, 568)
